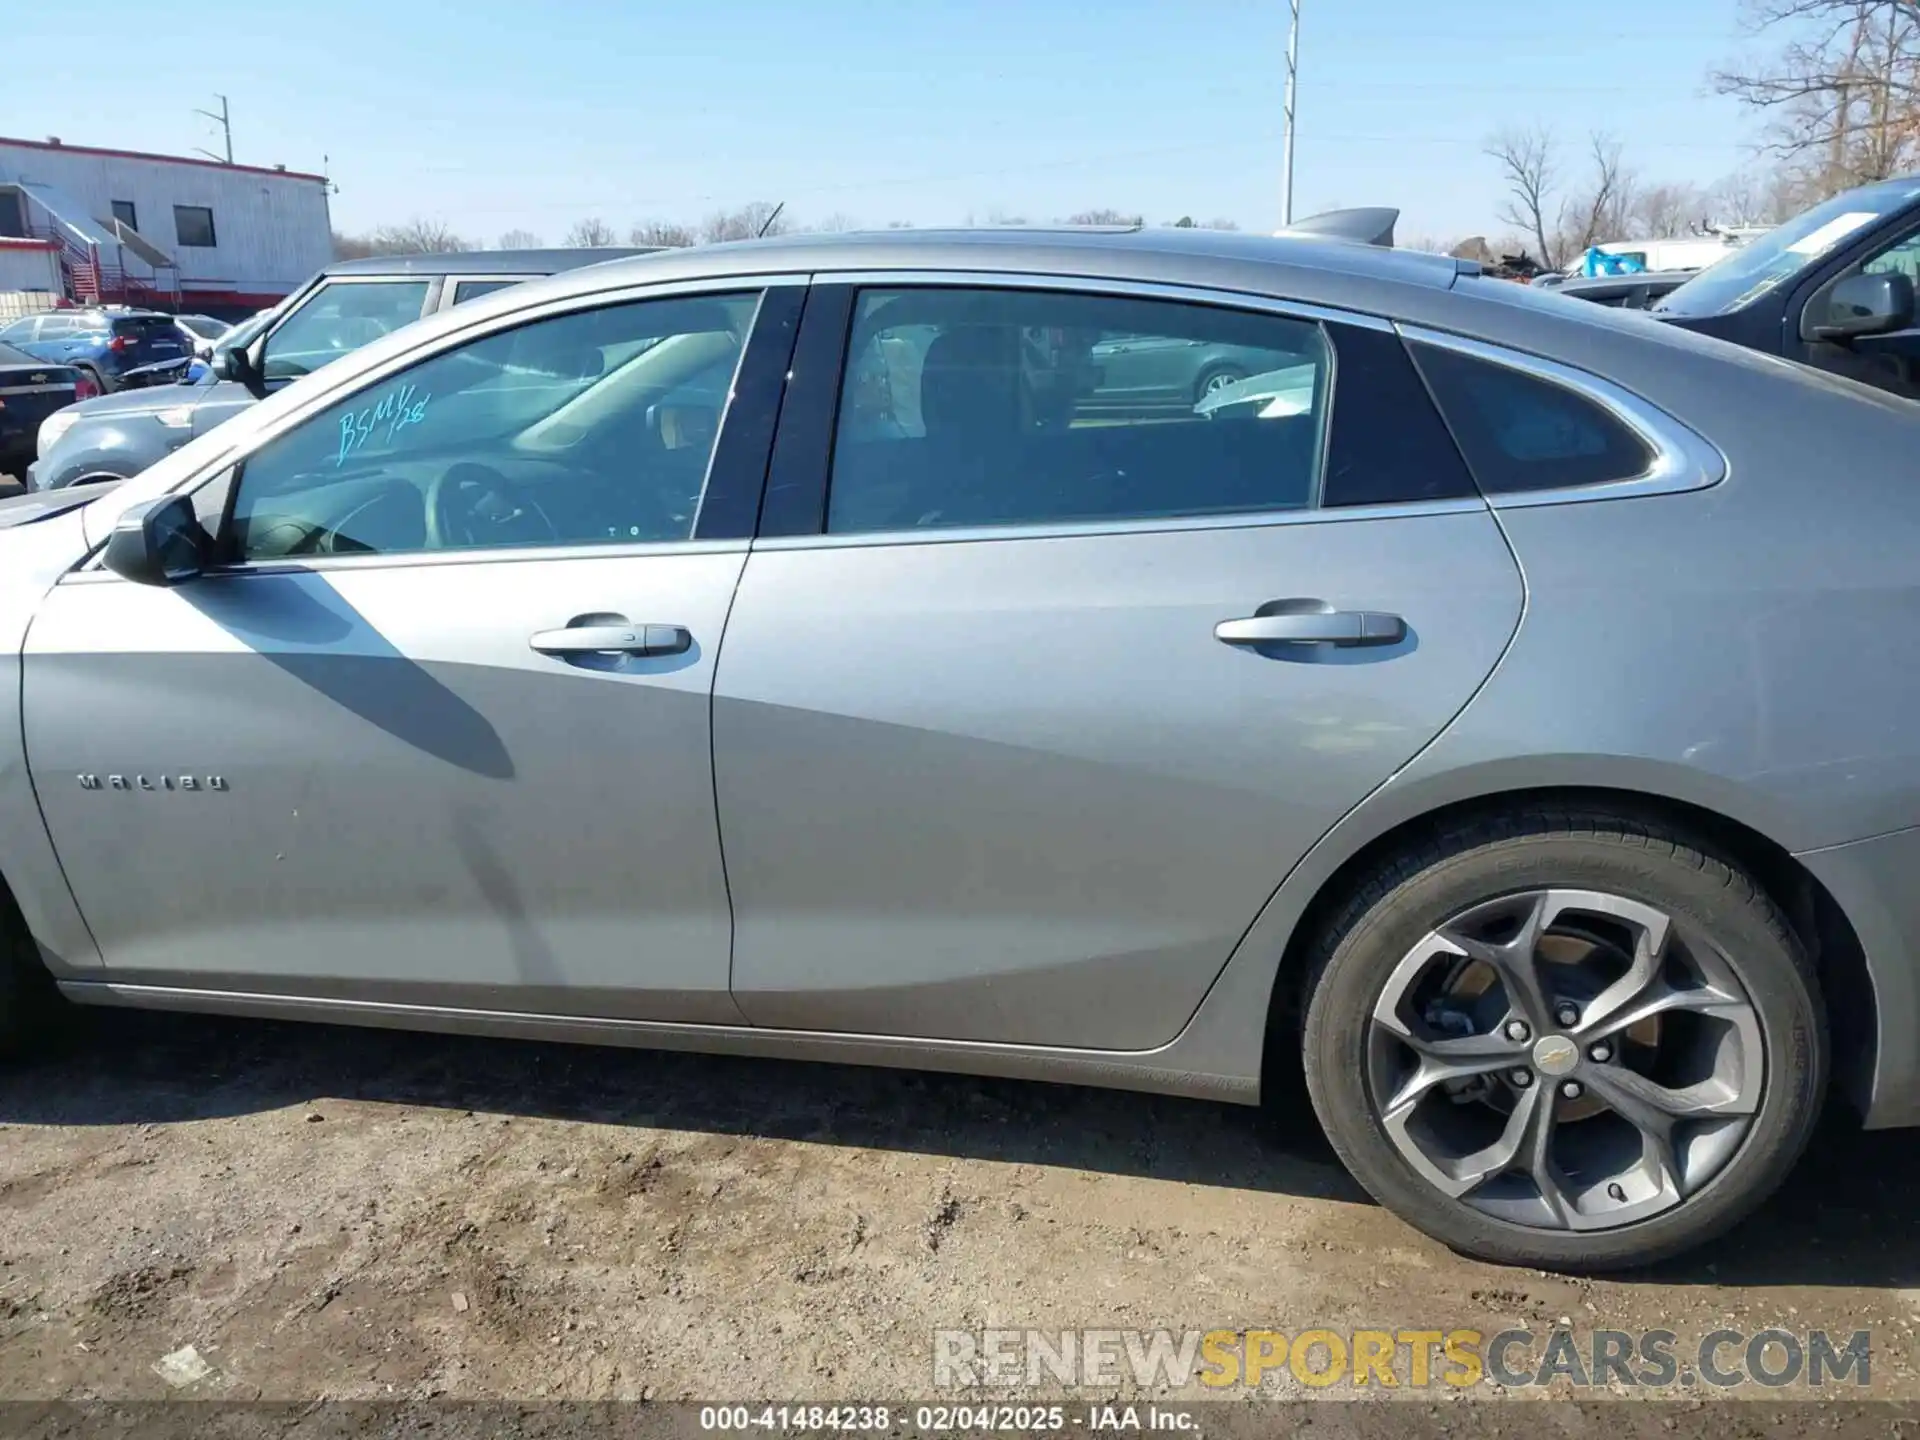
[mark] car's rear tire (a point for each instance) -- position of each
(1651, 1083)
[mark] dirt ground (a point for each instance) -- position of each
(339, 1213)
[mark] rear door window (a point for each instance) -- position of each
(1007, 407)
(341, 317)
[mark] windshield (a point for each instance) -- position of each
(1777, 257)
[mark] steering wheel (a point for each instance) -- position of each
(473, 505)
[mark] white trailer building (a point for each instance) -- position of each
(166, 230)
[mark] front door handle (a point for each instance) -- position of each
(1314, 627)
(621, 639)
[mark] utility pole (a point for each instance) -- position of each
(226, 129)
(1293, 76)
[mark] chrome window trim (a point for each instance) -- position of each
(97, 574)
(1682, 459)
(35, 389)
(1148, 525)
(1098, 285)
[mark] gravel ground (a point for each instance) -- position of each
(367, 1215)
(328, 1212)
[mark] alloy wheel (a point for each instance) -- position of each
(1565, 1060)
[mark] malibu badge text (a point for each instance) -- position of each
(145, 782)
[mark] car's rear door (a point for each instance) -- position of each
(1001, 751)
(436, 730)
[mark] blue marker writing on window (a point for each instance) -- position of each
(392, 413)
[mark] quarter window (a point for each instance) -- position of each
(591, 428)
(193, 226)
(465, 290)
(1520, 432)
(1004, 407)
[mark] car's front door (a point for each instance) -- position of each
(436, 731)
(1019, 726)
(1890, 360)
(341, 316)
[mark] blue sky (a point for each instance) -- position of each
(497, 114)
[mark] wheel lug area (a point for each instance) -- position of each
(1600, 1054)
(1572, 1089)
(1567, 1015)
(1521, 1078)
(1517, 1030)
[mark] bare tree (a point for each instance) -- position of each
(1755, 197)
(590, 235)
(1664, 209)
(353, 247)
(1104, 217)
(418, 237)
(758, 217)
(1599, 212)
(520, 240)
(1560, 223)
(669, 234)
(1221, 223)
(838, 223)
(1841, 93)
(1529, 169)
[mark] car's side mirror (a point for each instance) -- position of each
(1867, 305)
(160, 542)
(236, 363)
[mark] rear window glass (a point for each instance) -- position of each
(145, 325)
(1519, 432)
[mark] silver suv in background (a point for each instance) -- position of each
(342, 308)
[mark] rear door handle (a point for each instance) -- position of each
(613, 640)
(1314, 627)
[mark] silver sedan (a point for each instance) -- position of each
(831, 647)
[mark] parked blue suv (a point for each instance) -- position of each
(104, 344)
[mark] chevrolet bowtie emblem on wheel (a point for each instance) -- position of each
(1555, 1055)
(150, 782)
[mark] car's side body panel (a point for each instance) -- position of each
(1782, 726)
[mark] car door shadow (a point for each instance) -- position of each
(1843, 1219)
